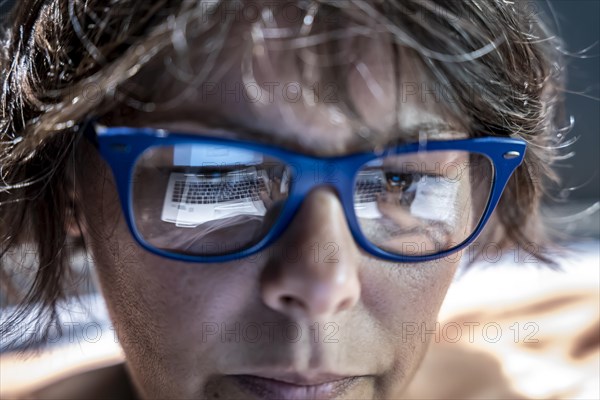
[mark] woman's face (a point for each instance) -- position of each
(312, 316)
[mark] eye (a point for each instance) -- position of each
(399, 182)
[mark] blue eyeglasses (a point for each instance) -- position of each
(208, 199)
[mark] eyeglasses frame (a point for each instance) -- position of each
(121, 146)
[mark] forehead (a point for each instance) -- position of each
(286, 79)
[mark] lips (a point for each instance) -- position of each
(294, 387)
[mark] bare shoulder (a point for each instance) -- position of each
(102, 383)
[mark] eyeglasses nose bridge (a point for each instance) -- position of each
(338, 174)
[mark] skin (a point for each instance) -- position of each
(174, 319)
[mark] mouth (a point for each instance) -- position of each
(294, 387)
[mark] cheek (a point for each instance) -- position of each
(157, 306)
(405, 300)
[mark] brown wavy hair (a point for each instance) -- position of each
(63, 61)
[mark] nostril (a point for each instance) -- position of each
(290, 301)
(344, 305)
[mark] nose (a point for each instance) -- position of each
(313, 272)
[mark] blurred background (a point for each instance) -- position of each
(523, 369)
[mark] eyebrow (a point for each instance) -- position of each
(413, 133)
(429, 131)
